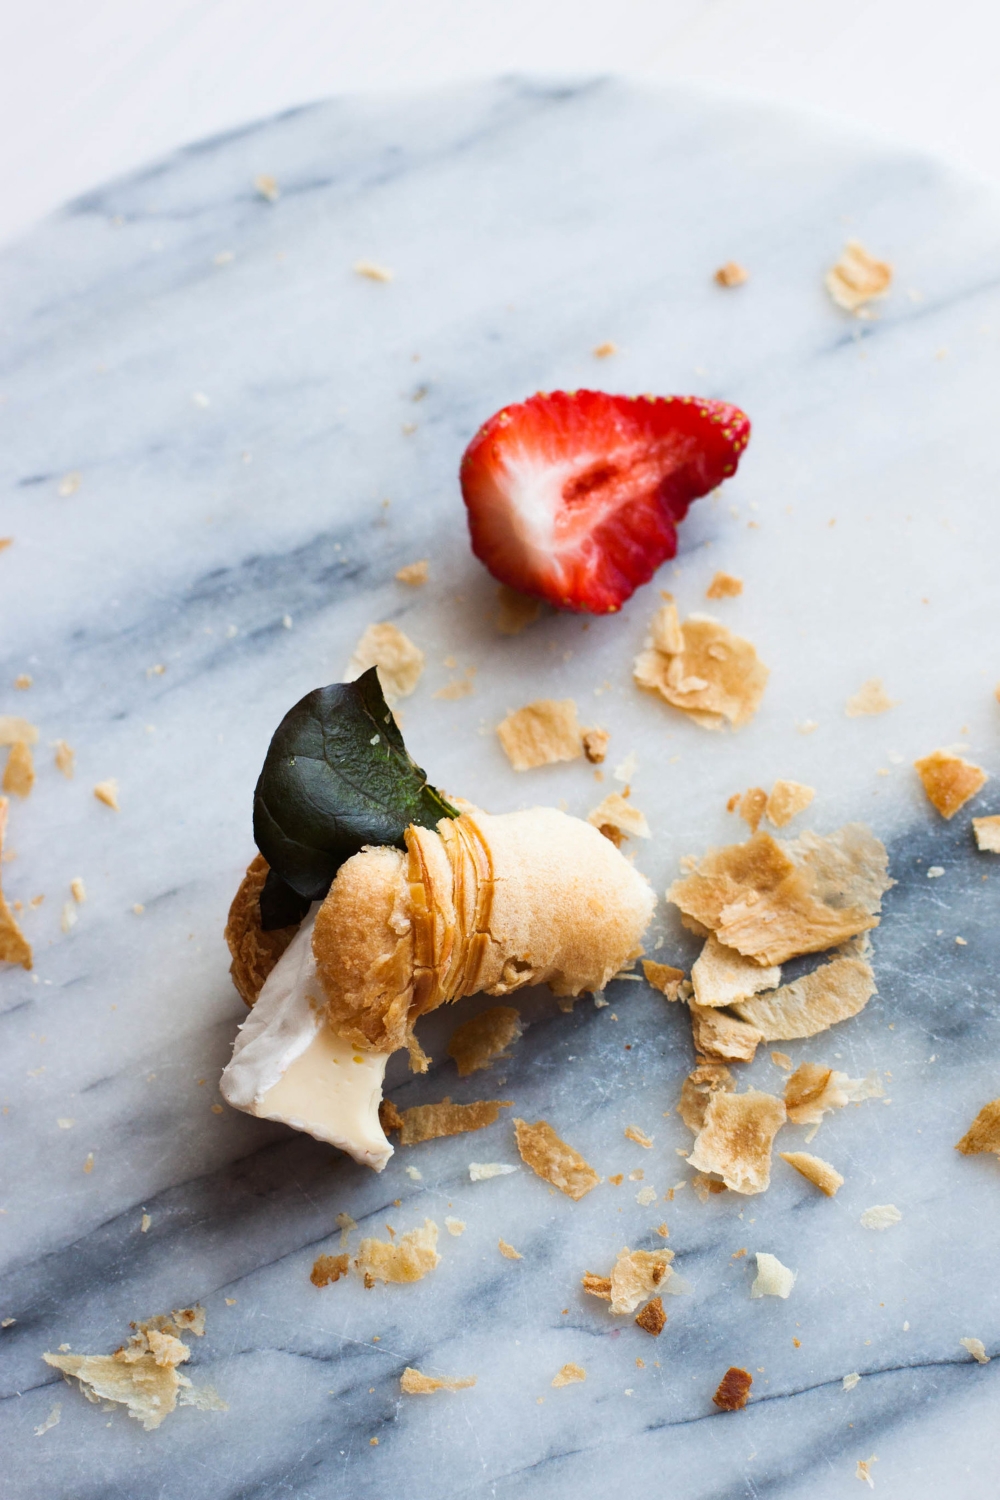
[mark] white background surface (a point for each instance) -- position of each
(88, 91)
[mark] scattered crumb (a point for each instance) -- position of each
(143, 1375)
(987, 831)
(329, 1268)
(977, 1349)
(731, 274)
(702, 668)
(735, 1140)
(815, 1090)
(652, 1318)
(734, 1389)
(782, 1060)
(717, 1034)
(949, 780)
(428, 1122)
(863, 1470)
(23, 681)
(603, 351)
(722, 976)
(984, 1132)
(19, 773)
(78, 890)
(52, 1420)
(404, 1260)
(595, 745)
(69, 484)
(541, 733)
(935, 872)
(831, 993)
(663, 977)
(412, 1383)
(750, 807)
(346, 1225)
(372, 271)
(850, 1381)
(516, 611)
(773, 901)
(266, 186)
(569, 1375)
(454, 1226)
(705, 1186)
(724, 586)
(857, 278)
(415, 573)
(68, 919)
(772, 1279)
(400, 663)
(819, 1172)
(508, 1251)
(645, 1196)
(871, 698)
(639, 1136)
(14, 946)
(620, 816)
(881, 1216)
(14, 730)
(458, 687)
(145, 1223)
(482, 1171)
(707, 1078)
(65, 757)
(553, 1160)
(107, 792)
(479, 1042)
(786, 800)
(6, 541)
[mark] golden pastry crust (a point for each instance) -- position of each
(255, 952)
(480, 905)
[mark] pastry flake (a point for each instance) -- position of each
(857, 278)
(14, 946)
(407, 1259)
(715, 677)
(736, 1138)
(881, 1216)
(663, 977)
(636, 1275)
(617, 815)
(430, 1122)
(987, 831)
(702, 1082)
(786, 800)
(414, 573)
(716, 1034)
(772, 1279)
(328, 1269)
(553, 1160)
(830, 993)
(721, 975)
(413, 1383)
(14, 730)
(595, 745)
(19, 772)
(478, 1043)
(508, 1252)
(569, 1375)
(977, 1349)
(984, 1132)
(731, 274)
(816, 1170)
(734, 1389)
(871, 698)
(541, 733)
(399, 662)
(652, 1319)
(724, 586)
(949, 780)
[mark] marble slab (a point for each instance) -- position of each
(261, 438)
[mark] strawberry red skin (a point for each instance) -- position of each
(575, 496)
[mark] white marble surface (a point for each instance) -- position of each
(525, 225)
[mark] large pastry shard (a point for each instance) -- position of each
(721, 975)
(717, 1034)
(735, 1140)
(984, 1132)
(481, 904)
(702, 668)
(772, 901)
(830, 993)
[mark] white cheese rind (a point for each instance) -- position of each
(288, 1065)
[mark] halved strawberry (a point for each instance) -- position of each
(575, 496)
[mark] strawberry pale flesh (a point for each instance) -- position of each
(575, 498)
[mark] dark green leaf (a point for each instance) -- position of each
(337, 777)
(280, 906)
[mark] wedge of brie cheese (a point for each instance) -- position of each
(288, 1065)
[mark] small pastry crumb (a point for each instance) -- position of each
(107, 792)
(857, 278)
(407, 1259)
(415, 573)
(430, 1122)
(786, 800)
(949, 780)
(987, 831)
(19, 772)
(750, 806)
(863, 1470)
(663, 977)
(880, 1216)
(706, 1079)
(734, 1389)
(595, 745)
(871, 698)
(328, 1269)
(977, 1349)
(14, 946)
(399, 662)
(619, 815)
(731, 274)
(553, 1160)
(984, 1132)
(413, 1383)
(541, 733)
(772, 1279)
(652, 1318)
(724, 586)
(818, 1172)
(508, 1252)
(605, 350)
(633, 1133)
(65, 757)
(372, 271)
(14, 730)
(569, 1375)
(266, 186)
